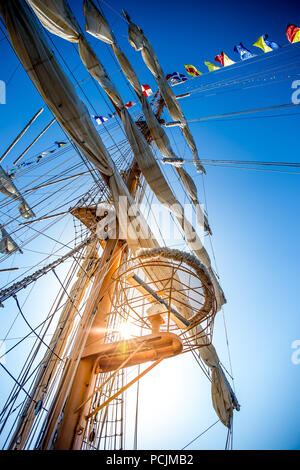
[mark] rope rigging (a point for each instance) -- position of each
(105, 423)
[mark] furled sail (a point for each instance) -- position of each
(8, 188)
(97, 26)
(147, 163)
(142, 152)
(58, 92)
(7, 244)
(139, 41)
(223, 397)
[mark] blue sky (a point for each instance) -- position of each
(254, 215)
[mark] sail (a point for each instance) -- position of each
(223, 397)
(139, 41)
(7, 244)
(8, 188)
(58, 92)
(97, 26)
(141, 150)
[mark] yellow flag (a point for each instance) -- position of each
(211, 67)
(262, 45)
(297, 37)
(227, 61)
(191, 70)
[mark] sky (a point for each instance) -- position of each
(254, 215)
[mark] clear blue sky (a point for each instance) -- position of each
(254, 215)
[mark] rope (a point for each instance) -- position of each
(32, 329)
(247, 111)
(197, 437)
(15, 380)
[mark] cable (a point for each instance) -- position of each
(197, 437)
(32, 329)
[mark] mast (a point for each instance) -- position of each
(79, 376)
(79, 379)
(49, 363)
(67, 419)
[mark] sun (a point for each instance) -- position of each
(128, 330)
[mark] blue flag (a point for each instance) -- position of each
(100, 119)
(176, 78)
(243, 51)
(273, 45)
(60, 144)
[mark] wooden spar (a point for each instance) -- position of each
(45, 217)
(35, 140)
(8, 269)
(21, 134)
(80, 377)
(138, 377)
(45, 185)
(49, 364)
(79, 374)
(160, 345)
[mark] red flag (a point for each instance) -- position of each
(191, 70)
(291, 32)
(147, 90)
(129, 104)
(220, 58)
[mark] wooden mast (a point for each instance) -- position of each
(49, 363)
(78, 372)
(71, 431)
(78, 376)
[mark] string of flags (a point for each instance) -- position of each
(263, 43)
(224, 59)
(58, 144)
(175, 78)
(101, 119)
